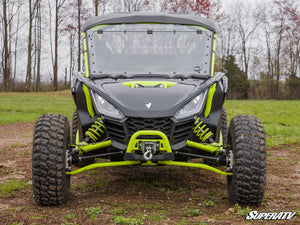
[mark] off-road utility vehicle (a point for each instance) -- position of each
(149, 96)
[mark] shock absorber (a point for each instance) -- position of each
(95, 131)
(202, 132)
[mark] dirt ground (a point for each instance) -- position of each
(151, 195)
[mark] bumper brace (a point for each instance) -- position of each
(166, 158)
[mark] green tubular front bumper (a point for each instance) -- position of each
(164, 145)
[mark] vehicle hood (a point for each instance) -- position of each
(150, 101)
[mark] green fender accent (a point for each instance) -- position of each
(88, 100)
(92, 147)
(104, 164)
(133, 144)
(210, 97)
(86, 59)
(166, 84)
(196, 165)
(205, 147)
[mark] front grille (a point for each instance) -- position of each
(182, 131)
(115, 131)
(135, 124)
(175, 131)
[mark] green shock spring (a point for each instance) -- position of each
(200, 131)
(95, 131)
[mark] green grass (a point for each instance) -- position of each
(281, 119)
(27, 107)
(238, 210)
(192, 212)
(126, 220)
(69, 216)
(12, 186)
(93, 212)
(118, 211)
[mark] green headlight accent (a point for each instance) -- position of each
(88, 100)
(165, 84)
(104, 164)
(133, 144)
(86, 61)
(196, 165)
(92, 147)
(209, 100)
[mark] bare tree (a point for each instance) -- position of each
(38, 38)
(79, 34)
(132, 5)
(15, 53)
(247, 24)
(227, 37)
(100, 5)
(29, 49)
(57, 22)
(10, 10)
(6, 65)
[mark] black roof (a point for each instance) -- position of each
(117, 18)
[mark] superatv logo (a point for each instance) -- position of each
(254, 215)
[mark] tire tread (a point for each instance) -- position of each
(51, 137)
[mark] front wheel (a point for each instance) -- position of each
(51, 138)
(248, 153)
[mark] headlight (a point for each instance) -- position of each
(105, 108)
(193, 107)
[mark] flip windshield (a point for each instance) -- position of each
(169, 49)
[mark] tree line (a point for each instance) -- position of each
(257, 44)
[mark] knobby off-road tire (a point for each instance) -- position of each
(75, 126)
(51, 138)
(224, 130)
(247, 184)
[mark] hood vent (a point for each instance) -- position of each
(149, 84)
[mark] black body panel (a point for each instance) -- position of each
(164, 101)
(199, 87)
(177, 131)
(83, 115)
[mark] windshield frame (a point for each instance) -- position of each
(90, 72)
